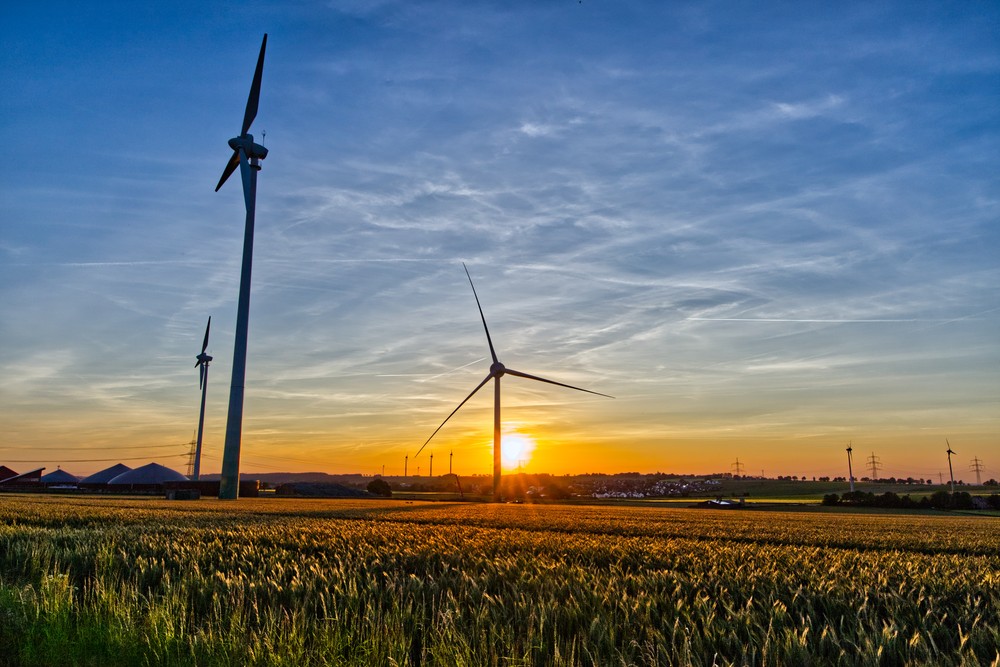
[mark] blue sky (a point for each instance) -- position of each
(768, 229)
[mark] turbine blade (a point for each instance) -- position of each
(234, 162)
(478, 387)
(488, 339)
(254, 98)
(540, 379)
(204, 344)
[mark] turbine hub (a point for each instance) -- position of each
(498, 369)
(251, 149)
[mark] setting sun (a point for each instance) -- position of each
(516, 450)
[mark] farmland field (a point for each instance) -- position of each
(114, 581)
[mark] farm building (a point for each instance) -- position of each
(150, 477)
(102, 477)
(59, 477)
(6, 473)
(30, 479)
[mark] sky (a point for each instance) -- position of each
(769, 230)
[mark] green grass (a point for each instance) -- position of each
(97, 581)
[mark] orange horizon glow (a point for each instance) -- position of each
(561, 442)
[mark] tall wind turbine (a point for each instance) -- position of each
(950, 471)
(497, 371)
(202, 366)
(246, 156)
(850, 468)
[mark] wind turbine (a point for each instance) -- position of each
(246, 156)
(950, 471)
(497, 371)
(202, 366)
(850, 468)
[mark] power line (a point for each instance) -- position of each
(134, 458)
(70, 448)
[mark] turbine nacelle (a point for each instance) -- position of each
(497, 369)
(203, 359)
(247, 145)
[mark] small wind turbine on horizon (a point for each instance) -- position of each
(202, 365)
(951, 472)
(246, 156)
(497, 371)
(850, 467)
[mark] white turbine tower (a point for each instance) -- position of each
(497, 371)
(950, 471)
(246, 156)
(202, 366)
(850, 467)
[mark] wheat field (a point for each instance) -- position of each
(115, 581)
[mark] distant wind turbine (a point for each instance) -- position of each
(850, 467)
(246, 156)
(202, 366)
(950, 471)
(497, 371)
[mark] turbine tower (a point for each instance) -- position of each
(202, 366)
(246, 156)
(850, 467)
(497, 371)
(950, 470)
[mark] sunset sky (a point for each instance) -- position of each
(768, 229)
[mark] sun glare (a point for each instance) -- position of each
(516, 449)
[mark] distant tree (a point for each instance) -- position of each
(831, 499)
(991, 482)
(380, 487)
(863, 498)
(940, 499)
(887, 499)
(962, 500)
(555, 491)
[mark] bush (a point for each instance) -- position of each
(380, 487)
